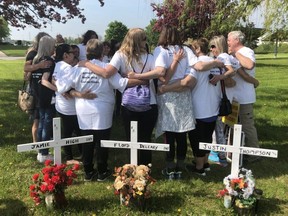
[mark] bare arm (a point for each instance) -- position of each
(155, 73)
(184, 84)
(244, 75)
(245, 62)
(85, 94)
(172, 68)
(135, 82)
(103, 72)
(29, 67)
(229, 72)
(204, 66)
(46, 83)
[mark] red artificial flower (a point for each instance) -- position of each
(55, 179)
(51, 187)
(43, 188)
(35, 177)
(32, 187)
(76, 167)
(48, 162)
(33, 194)
(47, 170)
(46, 178)
(223, 192)
(69, 173)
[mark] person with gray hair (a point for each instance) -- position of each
(244, 91)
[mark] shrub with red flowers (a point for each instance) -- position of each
(52, 179)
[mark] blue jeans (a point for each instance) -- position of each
(45, 128)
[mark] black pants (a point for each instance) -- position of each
(70, 126)
(146, 123)
(181, 149)
(202, 133)
(101, 153)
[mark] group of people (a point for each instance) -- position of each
(182, 82)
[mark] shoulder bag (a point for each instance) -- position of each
(137, 98)
(225, 107)
(25, 99)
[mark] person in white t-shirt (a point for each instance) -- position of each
(132, 56)
(175, 116)
(65, 105)
(244, 91)
(205, 99)
(94, 116)
(90, 34)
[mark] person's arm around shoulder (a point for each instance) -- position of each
(244, 75)
(204, 66)
(245, 62)
(103, 72)
(188, 82)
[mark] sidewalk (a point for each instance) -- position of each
(4, 57)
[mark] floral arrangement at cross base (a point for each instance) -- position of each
(132, 184)
(240, 192)
(50, 184)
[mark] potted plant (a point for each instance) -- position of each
(50, 184)
(132, 184)
(241, 191)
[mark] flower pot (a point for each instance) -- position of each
(227, 201)
(245, 210)
(56, 200)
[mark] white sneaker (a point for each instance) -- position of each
(42, 158)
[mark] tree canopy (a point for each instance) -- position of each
(116, 31)
(4, 30)
(20, 13)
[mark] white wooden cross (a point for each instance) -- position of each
(237, 149)
(56, 143)
(133, 145)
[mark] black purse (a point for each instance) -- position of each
(225, 107)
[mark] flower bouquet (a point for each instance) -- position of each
(132, 184)
(50, 184)
(241, 190)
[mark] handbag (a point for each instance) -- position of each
(25, 99)
(225, 107)
(137, 98)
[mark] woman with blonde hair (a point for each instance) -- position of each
(133, 56)
(44, 93)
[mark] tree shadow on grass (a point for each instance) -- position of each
(270, 206)
(13, 207)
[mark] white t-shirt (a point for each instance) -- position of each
(205, 96)
(63, 105)
(226, 60)
(82, 52)
(94, 114)
(163, 57)
(244, 92)
(119, 61)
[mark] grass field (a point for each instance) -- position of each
(191, 196)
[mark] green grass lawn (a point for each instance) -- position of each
(15, 51)
(191, 196)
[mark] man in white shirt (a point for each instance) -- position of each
(244, 91)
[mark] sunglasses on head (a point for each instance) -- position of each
(212, 46)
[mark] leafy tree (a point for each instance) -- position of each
(20, 13)
(4, 29)
(192, 18)
(204, 18)
(116, 31)
(152, 35)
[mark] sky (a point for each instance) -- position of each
(132, 13)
